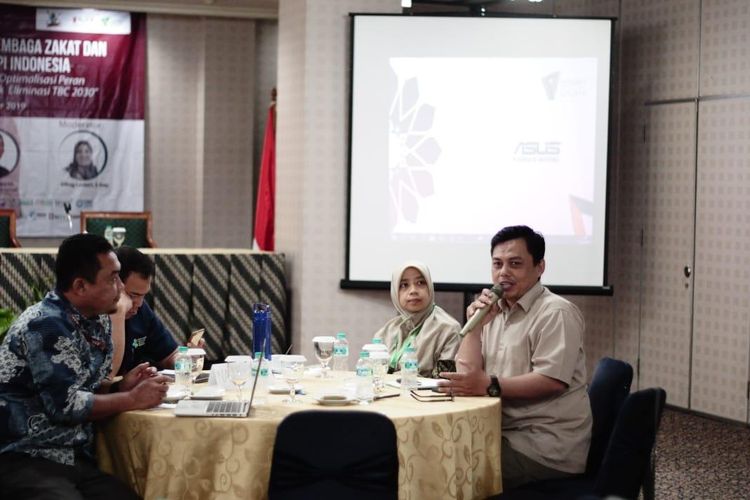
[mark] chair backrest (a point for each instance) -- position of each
(609, 387)
(8, 229)
(334, 455)
(138, 226)
(629, 454)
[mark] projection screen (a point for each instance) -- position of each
(461, 126)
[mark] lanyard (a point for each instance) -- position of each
(396, 356)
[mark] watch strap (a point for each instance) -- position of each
(494, 388)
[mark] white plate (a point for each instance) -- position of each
(234, 358)
(284, 389)
(334, 399)
(209, 392)
(173, 396)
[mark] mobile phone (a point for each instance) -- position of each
(196, 336)
(446, 365)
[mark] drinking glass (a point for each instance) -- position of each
(293, 370)
(239, 374)
(197, 364)
(324, 352)
(118, 236)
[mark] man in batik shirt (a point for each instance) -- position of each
(54, 364)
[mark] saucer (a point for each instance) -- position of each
(334, 399)
(284, 389)
(173, 396)
(209, 392)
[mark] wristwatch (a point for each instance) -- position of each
(494, 390)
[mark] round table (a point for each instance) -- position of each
(446, 449)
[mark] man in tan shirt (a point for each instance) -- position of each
(528, 350)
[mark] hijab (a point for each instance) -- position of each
(414, 318)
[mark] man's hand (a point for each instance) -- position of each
(135, 376)
(149, 392)
(471, 383)
(201, 344)
(483, 300)
(124, 304)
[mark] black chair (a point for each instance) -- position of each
(609, 387)
(627, 460)
(334, 455)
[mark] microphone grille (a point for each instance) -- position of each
(498, 290)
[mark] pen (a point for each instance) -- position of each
(395, 394)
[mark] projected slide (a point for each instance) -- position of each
(461, 126)
(538, 129)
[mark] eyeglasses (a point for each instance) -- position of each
(431, 398)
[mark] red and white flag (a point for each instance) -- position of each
(264, 207)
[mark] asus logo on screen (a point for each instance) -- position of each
(535, 148)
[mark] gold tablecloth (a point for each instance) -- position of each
(445, 449)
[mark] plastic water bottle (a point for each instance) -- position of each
(376, 345)
(379, 363)
(262, 379)
(341, 353)
(183, 369)
(364, 379)
(409, 370)
(262, 329)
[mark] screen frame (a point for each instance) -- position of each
(606, 288)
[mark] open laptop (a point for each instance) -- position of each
(197, 408)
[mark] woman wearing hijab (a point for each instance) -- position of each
(420, 323)
(82, 167)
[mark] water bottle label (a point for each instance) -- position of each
(364, 371)
(264, 371)
(410, 365)
(340, 350)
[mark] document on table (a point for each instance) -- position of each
(424, 383)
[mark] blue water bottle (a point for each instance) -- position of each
(262, 329)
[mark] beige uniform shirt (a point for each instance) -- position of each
(438, 338)
(543, 333)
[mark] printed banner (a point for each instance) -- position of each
(72, 85)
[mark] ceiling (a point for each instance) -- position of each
(250, 9)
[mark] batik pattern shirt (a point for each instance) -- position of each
(52, 360)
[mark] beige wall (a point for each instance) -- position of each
(683, 188)
(201, 108)
(311, 171)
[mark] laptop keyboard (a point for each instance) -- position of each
(227, 408)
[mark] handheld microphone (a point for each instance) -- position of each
(496, 293)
